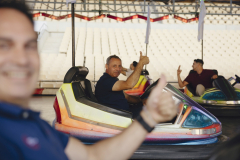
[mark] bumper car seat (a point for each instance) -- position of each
(77, 75)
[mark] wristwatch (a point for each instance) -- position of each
(144, 124)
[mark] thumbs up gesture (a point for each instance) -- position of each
(179, 70)
(143, 59)
(161, 104)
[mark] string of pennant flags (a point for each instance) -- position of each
(114, 17)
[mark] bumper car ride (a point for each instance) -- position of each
(222, 100)
(79, 114)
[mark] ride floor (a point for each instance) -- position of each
(230, 126)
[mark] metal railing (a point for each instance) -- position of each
(41, 81)
(170, 7)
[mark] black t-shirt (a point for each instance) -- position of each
(106, 96)
(204, 78)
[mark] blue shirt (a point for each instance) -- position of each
(106, 96)
(24, 135)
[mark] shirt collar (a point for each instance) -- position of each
(12, 110)
(106, 74)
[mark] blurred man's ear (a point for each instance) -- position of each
(106, 66)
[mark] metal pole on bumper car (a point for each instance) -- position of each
(73, 34)
(202, 49)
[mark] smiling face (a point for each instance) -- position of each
(196, 66)
(19, 59)
(114, 67)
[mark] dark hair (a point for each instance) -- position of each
(17, 5)
(135, 63)
(199, 61)
(110, 57)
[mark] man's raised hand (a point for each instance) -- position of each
(161, 104)
(179, 70)
(143, 59)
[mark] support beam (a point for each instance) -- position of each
(105, 12)
(231, 6)
(173, 3)
(112, 4)
(73, 35)
(115, 5)
(84, 5)
(100, 7)
(196, 5)
(144, 5)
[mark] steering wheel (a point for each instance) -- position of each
(237, 78)
(148, 90)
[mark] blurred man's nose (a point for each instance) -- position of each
(20, 56)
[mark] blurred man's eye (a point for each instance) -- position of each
(4, 46)
(32, 46)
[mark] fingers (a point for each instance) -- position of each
(162, 83)
(179, 67)
(166, 99)
(156, 92)
(140, 53)
(168, 108)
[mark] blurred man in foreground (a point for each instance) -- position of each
(23, 134)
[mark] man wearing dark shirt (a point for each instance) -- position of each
(23, 134)
(199, 80)
(109, 90)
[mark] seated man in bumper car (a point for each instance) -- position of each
(109, 90)
(199, 79)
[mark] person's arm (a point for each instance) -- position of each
(119, 147)
(132, 99)
(180, 82)
(160, 107)
(133, 78)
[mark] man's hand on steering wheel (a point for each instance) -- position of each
(160, 104)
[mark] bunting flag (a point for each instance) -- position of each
(69, 16)
(185, 20)
(137, 16)
(201, 20)
(148, 26)
(113, 17)
(99, 17)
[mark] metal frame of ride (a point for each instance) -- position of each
(112, 7)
